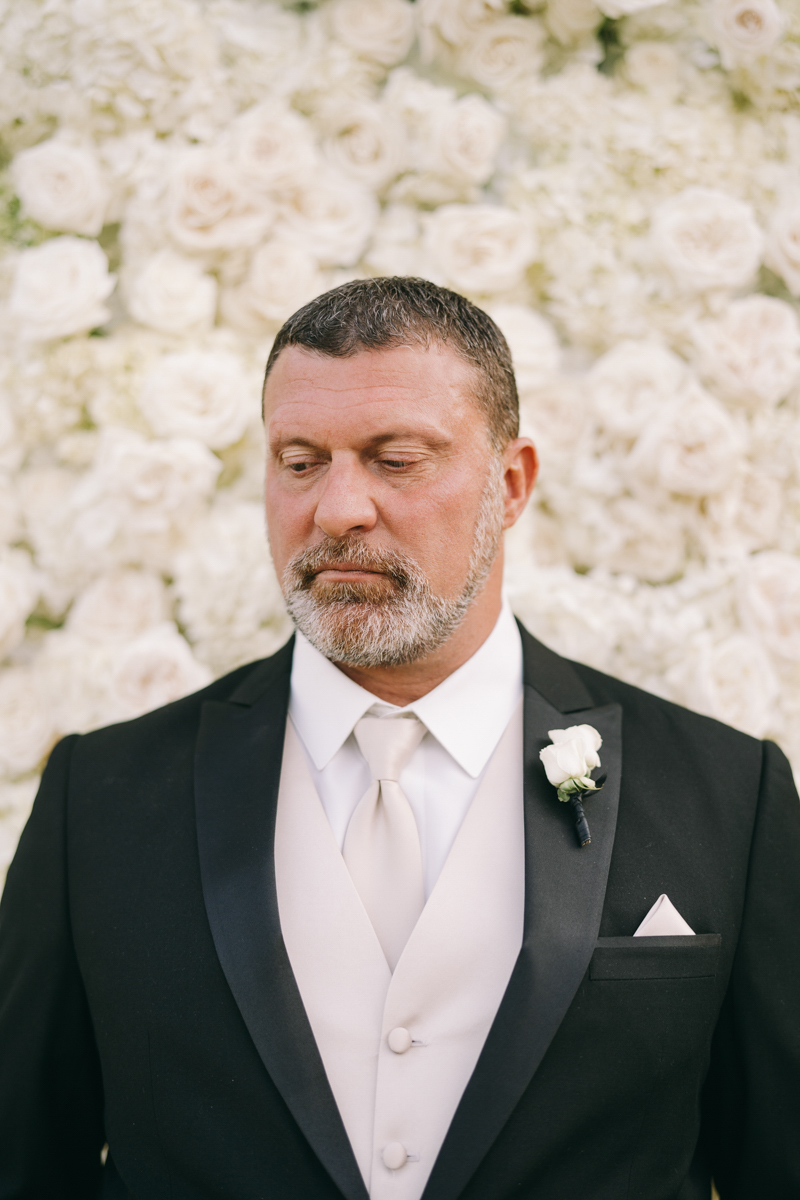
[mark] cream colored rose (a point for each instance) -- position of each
(570, 20)
(59, 289)
(751, 355)
(707, 239)
(224, 579)
(273, 147)
(480, 248)
(11, 447)
(632, 384)
(210, 207)
(283, 276)
(654, 66)
(768, 596)
(533, 344)
(172, 294)
(10, 511)
(118, 606)
(573, 754)
(201, 394)
(746, 29)
(693, 448)
(624, 8)
(16, 801)
(153, 669)
(503, 51)
(735, 682)
(783, 245)
(62, 187)
(26, 725)
(457, 21)
(332, 216)
(465, 137)
(19, 591)
(382, 30)
(364, 140)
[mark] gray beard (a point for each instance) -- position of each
(397, 619)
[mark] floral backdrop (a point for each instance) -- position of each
(617, 182)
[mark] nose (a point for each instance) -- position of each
(345, 505)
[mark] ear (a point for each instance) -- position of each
(520, 468)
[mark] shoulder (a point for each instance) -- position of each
(177, 723)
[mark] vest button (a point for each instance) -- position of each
(399, 1040)
(394, 1156)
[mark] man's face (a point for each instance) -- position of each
(379, 475)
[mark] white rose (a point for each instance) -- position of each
(199, 394)
(61, 186)
(283, 277)
(11, 446)
(744, 517)
(118, 606)
(224, 579)
(59, 289)
(734, 681)
(154, 669)
(273, 147)
(465, 137)
(503, 51)
(363, 139)
(209, 207)
(707, 239)
(19, 591)
(456, 21)
(139, 484)
(172, 294)
(783, 245)
(746, 29)
(751, 355)
(532, 342)
(631, 384)
(693, 448)
(624, 535)
(768, 596)
(623, 8)
(26, 725)
(654, 66)
(382, 30)
(573, 754)
(10, 512)
(571, 20)
(480, 248)
(332, 216)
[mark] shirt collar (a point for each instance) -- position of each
(467, 713)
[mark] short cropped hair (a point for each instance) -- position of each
(373, 314)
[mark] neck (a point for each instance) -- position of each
(402, 685)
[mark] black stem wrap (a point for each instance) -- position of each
(581, 826)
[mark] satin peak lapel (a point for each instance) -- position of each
(237, 775)
(565, 889)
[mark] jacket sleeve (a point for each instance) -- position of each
(752, 1097)
(51, 1100)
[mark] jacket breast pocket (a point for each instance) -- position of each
(680, 957)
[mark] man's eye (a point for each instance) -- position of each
(394, 462)
(299, 467)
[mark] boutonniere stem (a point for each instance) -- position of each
(568, 763)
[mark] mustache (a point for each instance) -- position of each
(302, 570)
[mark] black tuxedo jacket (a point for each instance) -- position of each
(146, 998)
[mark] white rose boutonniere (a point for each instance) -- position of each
(568, 763)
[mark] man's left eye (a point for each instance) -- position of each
(394, 462)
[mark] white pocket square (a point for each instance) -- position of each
(663, 920)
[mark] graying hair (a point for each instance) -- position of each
(376, 314)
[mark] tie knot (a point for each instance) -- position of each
(387, 743)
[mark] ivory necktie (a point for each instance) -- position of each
(381, 846)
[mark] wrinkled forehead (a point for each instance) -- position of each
(430, 384)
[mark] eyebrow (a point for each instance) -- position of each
(382, 439)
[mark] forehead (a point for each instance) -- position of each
(314, 394)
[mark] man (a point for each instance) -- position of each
(324, 929)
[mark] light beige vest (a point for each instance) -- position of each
(446, 988)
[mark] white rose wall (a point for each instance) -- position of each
(618, 184)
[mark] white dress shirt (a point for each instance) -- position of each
(466, 716)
